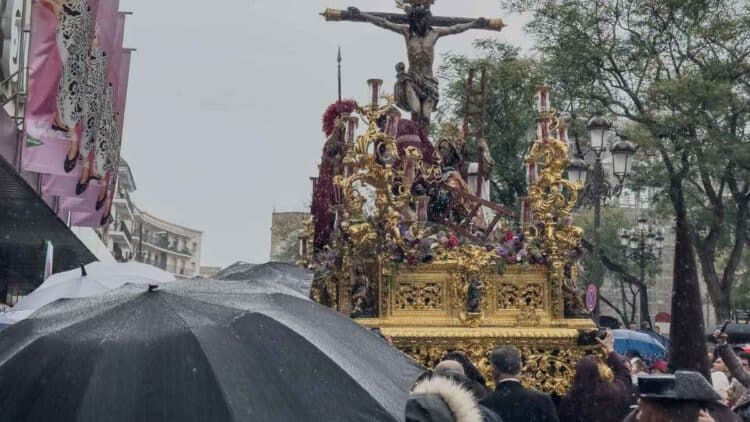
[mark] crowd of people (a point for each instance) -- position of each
(613, 389)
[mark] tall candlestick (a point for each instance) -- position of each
(391, 125)
(542, 129)
(543, 99)
(531, 173)
(351, 127)
(374, 85)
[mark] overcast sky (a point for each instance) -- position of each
(222, 125)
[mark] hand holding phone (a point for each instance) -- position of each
(720, 335)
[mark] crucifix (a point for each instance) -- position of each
(417, 89)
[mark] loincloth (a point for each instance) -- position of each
(426, 88)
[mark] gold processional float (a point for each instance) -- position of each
(412, 249)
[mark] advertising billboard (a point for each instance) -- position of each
(76, 87)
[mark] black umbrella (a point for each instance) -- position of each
(198, 351)
(287, 275)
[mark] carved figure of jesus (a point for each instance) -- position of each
(416, 87)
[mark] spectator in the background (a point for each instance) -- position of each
(738, 370)
(440, 399)
(477, 382)
(719, 378)
(637, 367)
(683, 397)
(736, 388)
(511, 400)
(659, 367)
(599, 393)
(453, 370)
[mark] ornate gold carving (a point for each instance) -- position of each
(549, 363)
(418, 296)
(528, 317)
(517, 296)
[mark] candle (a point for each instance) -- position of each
(526, 212)
(542, 129)
(351, 127)
(531, 173)
(543, 98)
(374, 85)
(391, 125)
(422, 203)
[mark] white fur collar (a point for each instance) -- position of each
(460, 401)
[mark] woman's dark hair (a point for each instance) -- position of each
(470, 370)
(590, 394)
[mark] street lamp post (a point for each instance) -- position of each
(643, 245)
(597, 188)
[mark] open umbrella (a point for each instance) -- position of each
(646, 346)
(90, 280)
(197, 351)
(287, 275)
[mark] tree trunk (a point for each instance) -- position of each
(688, 345)
(722, 305)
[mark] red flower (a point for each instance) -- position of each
(452, 241)
(509, 235)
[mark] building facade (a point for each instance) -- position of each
(136, 235)
(171, 247)
(286, 229)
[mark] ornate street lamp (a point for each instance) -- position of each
(596, 187)
(622, 159)
(599, 128)
(577, 171)
(643, 245)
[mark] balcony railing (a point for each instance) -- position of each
(128, 201)
(120, 226)
(163, 243)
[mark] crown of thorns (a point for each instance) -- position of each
(403, 4)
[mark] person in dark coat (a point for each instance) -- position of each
(454, 370)
(475, 380)
(440, 399)
(599, 393)
(510, 400)
(685, 396)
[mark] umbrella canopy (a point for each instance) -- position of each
(646, 346)
(287, 275)
(195, 351)
(91, 280)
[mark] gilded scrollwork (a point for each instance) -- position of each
(418, 296)
(516, 296)
(547, 367)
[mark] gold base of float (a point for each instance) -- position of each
(423, 314)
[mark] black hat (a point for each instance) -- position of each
(683, 385)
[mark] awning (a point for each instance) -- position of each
(26, 221)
